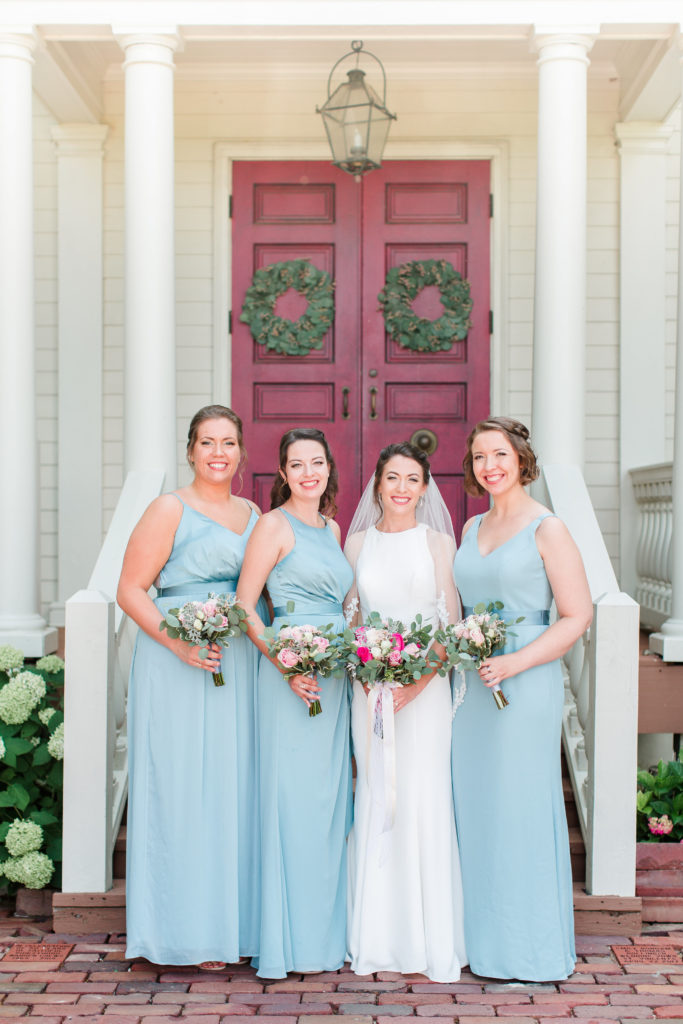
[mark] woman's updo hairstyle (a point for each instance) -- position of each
(280, 491)
(409, 451)
(213, 412)
(518, 436)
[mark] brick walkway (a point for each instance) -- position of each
(96, 984)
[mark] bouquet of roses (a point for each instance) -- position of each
(200, 623)
(471, 641)
(303, 650)
(384, 651)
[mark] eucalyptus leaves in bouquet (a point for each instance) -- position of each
(31, 755)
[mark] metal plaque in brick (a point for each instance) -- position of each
(38, 952)
(647, 953)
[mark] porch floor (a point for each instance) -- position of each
(96, 983)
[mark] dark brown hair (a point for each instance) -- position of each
(280, 491)
(213, 412)
(409, 451)
(518, 436)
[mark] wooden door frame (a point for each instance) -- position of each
(493, 150)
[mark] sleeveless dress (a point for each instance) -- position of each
(405, 891)
(192, 849)
(305, 774)
(509, 805)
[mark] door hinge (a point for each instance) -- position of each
(230, 207)
(490, 205)
(230, 321)
(490, 321)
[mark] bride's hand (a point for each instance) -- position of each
(403, 695)
(494, 670)
(305, 687)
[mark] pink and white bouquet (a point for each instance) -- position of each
(215, 620)
(303, 650)
(385, 651)
(469, 642)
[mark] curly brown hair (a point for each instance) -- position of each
(280, 491)
(518, 436)
(408, 451)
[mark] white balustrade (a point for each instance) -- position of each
(600, 723)
(99, 648)
(652, 486)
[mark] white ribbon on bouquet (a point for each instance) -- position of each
(381, 753)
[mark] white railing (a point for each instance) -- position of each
(99, 647)
(600, 724)
(652, 487)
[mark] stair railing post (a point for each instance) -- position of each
(88, 742)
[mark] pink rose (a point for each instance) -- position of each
(476, 636)
(360, 633)
(321, 642)
(398, 641)
(394, 657)
(460, 630)
(364, 654)
(412, 649)
(288, 658)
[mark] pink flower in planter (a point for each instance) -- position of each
(660, 826)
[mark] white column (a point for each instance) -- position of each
(560, 289)
(79, 248)
(20, 621)
(642, 317)
(669, 640)
(150, 381)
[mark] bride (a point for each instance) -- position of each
(405, 893)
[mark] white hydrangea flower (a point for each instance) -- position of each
(23, 837)
(45, 714)
(35, 741)
(18, 698)
(55, 744)
(34, 870)
(50, 663)
(35, 682)
(3, 749)
(10, 658)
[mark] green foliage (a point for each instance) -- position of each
(660, 795)
(30, 777)
(403, 284)
(289, 337)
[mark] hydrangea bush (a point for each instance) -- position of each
(660, 804)
(31, 754)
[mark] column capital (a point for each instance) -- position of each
(642, 137)
(149, 46)
(19, 43)
(560, 43)
(76, 139)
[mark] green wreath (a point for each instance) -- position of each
(289, 337)
(404, 283)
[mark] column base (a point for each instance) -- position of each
(33, 643)
(667, 643)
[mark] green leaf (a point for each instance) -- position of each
(43, 818)
(41, 755)
(15, 796)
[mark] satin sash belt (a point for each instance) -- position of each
(199, 588)
(324, 608)
(541, 618)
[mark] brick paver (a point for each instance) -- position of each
(96, 985)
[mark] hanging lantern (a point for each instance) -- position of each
(356, 120)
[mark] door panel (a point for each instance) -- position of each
(362, 388)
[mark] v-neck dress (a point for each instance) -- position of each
(507, 785)
(305, 771)
(193, 843)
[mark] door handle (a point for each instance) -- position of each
(345, 403)
(373, 403)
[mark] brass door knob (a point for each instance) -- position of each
(425, 440)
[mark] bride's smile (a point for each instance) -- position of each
(400, 489)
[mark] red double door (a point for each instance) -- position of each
(362, 388)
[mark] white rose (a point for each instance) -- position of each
(376, 652)
(198, 623)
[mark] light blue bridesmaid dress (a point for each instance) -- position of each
(305, 774)
(509, 806)
(193, 843)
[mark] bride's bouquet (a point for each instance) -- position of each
(200, 623)
(303, 650)
(384, 651)
(469, 642)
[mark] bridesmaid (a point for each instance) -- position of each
(512, 827)
(192, 889)
(305, 763)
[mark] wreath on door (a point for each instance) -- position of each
(404, 283)
(289, 337)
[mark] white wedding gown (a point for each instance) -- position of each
(405, 891)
